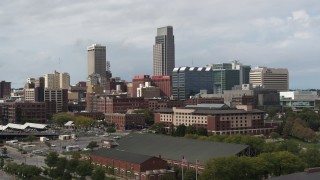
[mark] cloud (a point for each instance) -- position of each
(35, 34)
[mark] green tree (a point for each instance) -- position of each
(274, 135)
(290, 146)
(76, 155)
(30, 138)
(83, 122)
(84, 168)
(201, 131)
(181, 130)
(284, 162)
(61, 118)
(51, 159)
(158, 127)
(72, 165)
(92, 145)
(148, 115)
(1, 162)
(191, 129)
(311, 157)
(98, 174)
(111, 130)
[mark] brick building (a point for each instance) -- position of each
(107, 104)
(126, 121)
(194, 101)
(164, 84)
(20, 112)
(243, 120)
(137, 80)
(130, 165)
(153, 104)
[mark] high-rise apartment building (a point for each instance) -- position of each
(164, 52)
(270, 78)
(57, 80)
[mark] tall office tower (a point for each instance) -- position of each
(5, 89)
(227, 75)
(188, 81)
(270, 78)
(57, 80)
(163, 52)
(97, 63)
(56, 100)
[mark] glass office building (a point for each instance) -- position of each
(188, 81)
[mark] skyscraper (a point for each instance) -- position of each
(97, 62)
(57, 80)
(98, 66)
(163, 52)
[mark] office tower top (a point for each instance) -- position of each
(270, 78)
(97, 62)
(164, 52)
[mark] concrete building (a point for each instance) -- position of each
(148, 91)
(243, 120)
(164, 52)
(188, 81)
(97, 64)
(270, 78)
(5, 89)
(298, 99)
(57, 80)
(139, 81)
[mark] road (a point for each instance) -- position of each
(19, 158)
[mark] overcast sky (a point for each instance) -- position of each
(38, 36)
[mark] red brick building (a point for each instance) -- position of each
(118, 105)
(196, 101)
(130, 165)
(20, 112)
(243, 120)
(137, 80)
(153, 104)
(126, 121)
(164, 83)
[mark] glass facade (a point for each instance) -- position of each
(188, 81)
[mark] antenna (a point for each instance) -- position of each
(192, 62)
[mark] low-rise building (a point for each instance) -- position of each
(242, 120)
(126, 121)
(131, 165)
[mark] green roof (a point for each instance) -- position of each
(174, 148)
(121, 155)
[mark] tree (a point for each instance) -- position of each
(274, 135)
(148, 115)
(92, 145)
(158, 127)
(201, 131)
(1, 162)
(84, 168)
(30, 138)
(83, 122)
(72, 165)
(181, 130)
(98, 173)
(61, 118)
(76, 155)
(51, 159)
(111, 130)
(311, 157)
(284, 162)
(191, 129)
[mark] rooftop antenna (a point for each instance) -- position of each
(192, 62)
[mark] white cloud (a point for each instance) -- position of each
(268, 32)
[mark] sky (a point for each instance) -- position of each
(38, 36)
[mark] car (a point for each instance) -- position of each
(53, 145)
(86, 149)
(116, 137)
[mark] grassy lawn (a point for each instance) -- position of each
(306, 144)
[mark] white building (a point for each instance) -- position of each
(57, 80)
(270, 78)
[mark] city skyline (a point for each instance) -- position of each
(40, 37)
